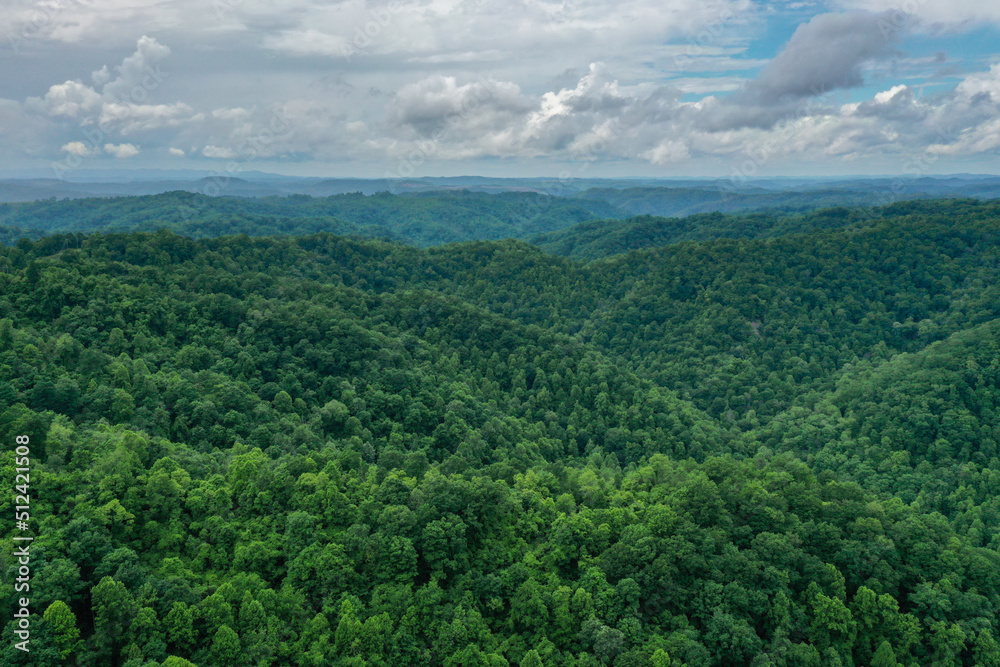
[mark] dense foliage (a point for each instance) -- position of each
(426, 218)
(732, 197)
(602, 238)
(320, 450)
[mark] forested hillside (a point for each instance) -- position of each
(784, 195)
(322, 450)
(726, 197)
(602, 238)
(421, 219)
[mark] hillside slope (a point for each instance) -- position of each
(320, 450)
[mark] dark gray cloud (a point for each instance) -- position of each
(824, 54)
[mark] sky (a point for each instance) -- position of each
(732, 89)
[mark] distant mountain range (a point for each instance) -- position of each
(631, 196)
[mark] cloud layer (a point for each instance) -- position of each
(401, 85)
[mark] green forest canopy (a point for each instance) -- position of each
(319, 450)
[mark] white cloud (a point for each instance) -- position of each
(668, 151)
(176, 152)
(236, 114)
(983, 83)
(429, 30)
(71, 99)
(218, 152)
(983, 138)
(139, 74)
(311, 42)
(77, 148)
(886, 96)
(121, 151)
(121, 98)
(598, 118)
(137, 118)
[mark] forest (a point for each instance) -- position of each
(322, 432)
(422, 219)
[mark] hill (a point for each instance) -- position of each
(318, 450)
(420, 218)
(601, 238)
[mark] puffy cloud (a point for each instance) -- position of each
(987, 83)
(139, 74)
(429, 105)
(887, 96)
(595, 92)
(668, 151)
(599, 118)
(121, 98)
(121, 151)
(71, 99)
(77, 148)
(176, 152)
(984, 138)
(117, 104)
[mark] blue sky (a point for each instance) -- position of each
(723, 88)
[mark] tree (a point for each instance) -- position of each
(986, 649)
(215, 612)
(179, 626)
(948, 642)
(531, 659)
(884, 656)
(226, 647)
(64, 630)
(660, 658)
(832, 623)
(114, 609)
(174, 661)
